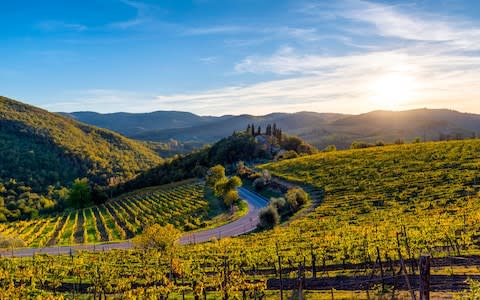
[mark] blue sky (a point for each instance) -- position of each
(244, 56)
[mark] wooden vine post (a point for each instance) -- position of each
(314, 259)
(424, 266)
(403, 269)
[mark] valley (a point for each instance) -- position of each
(328, 219)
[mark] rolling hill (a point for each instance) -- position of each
(136, 123)
(44, 152)
(319, 129)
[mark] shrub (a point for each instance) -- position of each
(360, 145)
(279, 203)
(286, 155)
(296, 198)
(9, 242)
(269, 217)
(259, 183)
(330, 148)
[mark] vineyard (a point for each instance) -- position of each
(421, 196)
(182, 205)
(379, 210)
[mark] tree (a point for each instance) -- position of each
(279, 136)
(292, 143)
(269, 130)
(230, 198)
(99, 196)
(79, 195)
(223, 186)
(233, 183)
(214, 175)
(164, 239)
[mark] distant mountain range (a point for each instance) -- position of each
(319, 129)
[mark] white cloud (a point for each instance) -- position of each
(435, 64)
(346, 90)
(408, 24)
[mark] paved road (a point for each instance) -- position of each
(243, 225)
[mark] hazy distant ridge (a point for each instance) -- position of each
(320, 129)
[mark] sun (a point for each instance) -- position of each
(392, 90)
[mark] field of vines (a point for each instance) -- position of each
(423, 196)
(384, 204)
(182, 205)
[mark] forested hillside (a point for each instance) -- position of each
(248, 146)
(136, 123)
(318, 129)
(42, 153)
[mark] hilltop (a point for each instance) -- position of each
(43, 152)
(319, 129)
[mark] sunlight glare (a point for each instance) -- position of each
(390, 91)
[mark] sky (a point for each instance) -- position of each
(216, 57)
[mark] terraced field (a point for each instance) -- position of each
(182, 205)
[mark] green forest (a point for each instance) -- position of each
(43, 153)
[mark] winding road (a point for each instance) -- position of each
(241, 226)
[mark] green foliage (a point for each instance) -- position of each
(286, 155)
(269, 217)
(80, 195)
(162, 238)
(44, 152)
(330, 148)
(214, 175)
(223, 187)
(233, 183)
(10, 242)
(360, 145)
(296, 198)
(227, 152)
(474, 291)
(294, 143)
(230, 198)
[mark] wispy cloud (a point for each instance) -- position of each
(224, 29)
(409, 24)
(142, 15)
(59, 25)
(434, 53)
(209, 59)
